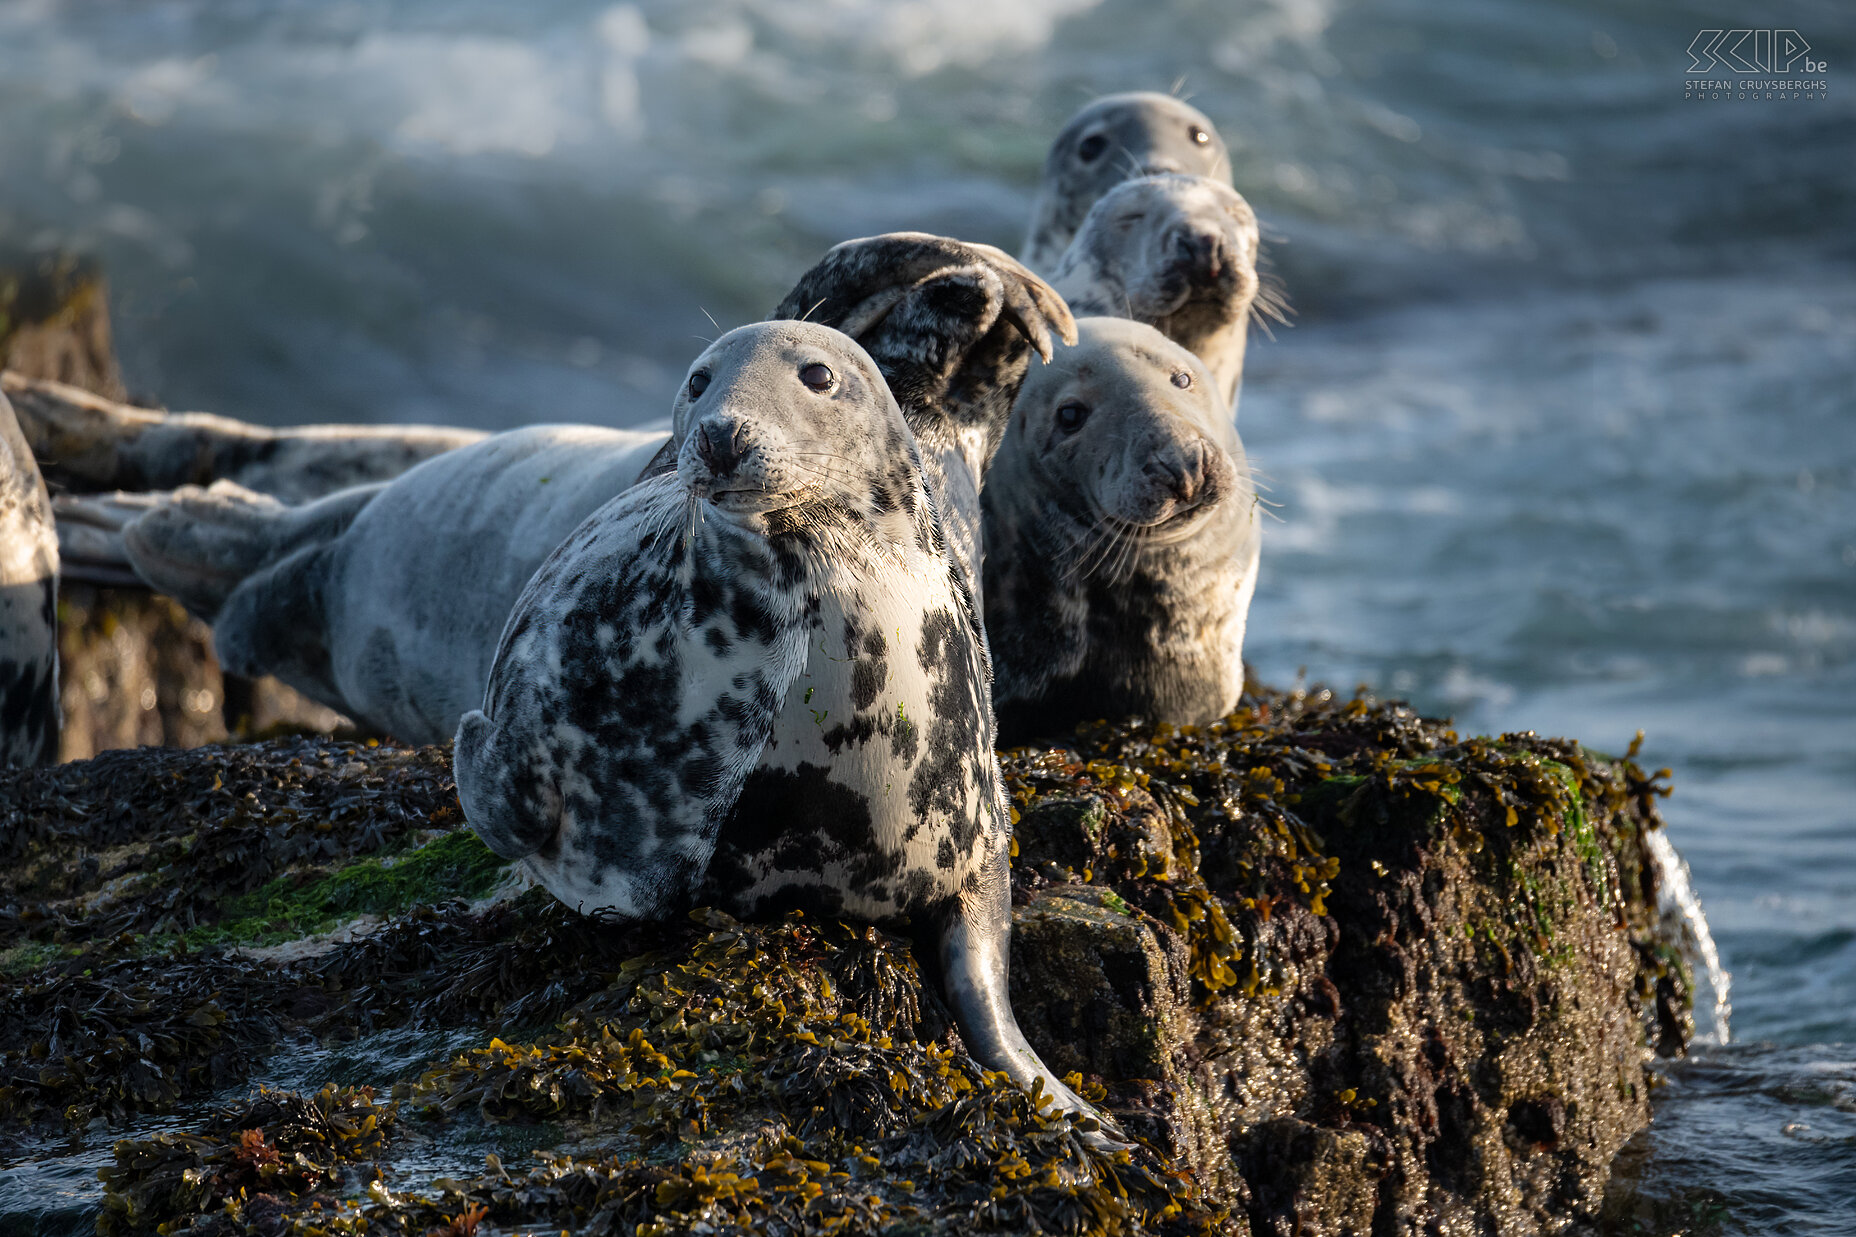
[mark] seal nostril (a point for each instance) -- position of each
(721, 447)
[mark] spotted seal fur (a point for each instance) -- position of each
(28, 604)
(385, 602)
(1122, 537)
(1110, 140)
(761, 681)
(1180, 254)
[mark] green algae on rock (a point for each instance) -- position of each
(1341, 970)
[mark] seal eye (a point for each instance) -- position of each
(699, 382)
(818, 377)
(1092, 148)
(1182, 379)
(1070, 417)
(1199, 136)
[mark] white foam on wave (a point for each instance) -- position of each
(1681, 909)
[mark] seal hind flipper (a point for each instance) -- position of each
(857, 286)
(200, 545)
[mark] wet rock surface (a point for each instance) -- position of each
(1339, 970)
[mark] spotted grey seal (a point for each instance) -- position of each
(760, 681)
(385, 602)
(1180, 254)
(1122, 536)
(1112, 139)
(28, 605)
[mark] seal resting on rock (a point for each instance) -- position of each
(28, 605)
(385, 602)
(1116, 137)
(1122, 536)
(91, 444)
(760, 681)
(1180, 254)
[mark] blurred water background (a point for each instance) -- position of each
(1562, 436)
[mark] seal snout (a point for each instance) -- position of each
(735, 460)
(1200, 253)
(1179, 471)
(722, 446)
(1177, 476)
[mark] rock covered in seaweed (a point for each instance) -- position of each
(1341, 970)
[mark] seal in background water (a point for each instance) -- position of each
(761, 680)
(1122, 537)
(1180, 254)
(1113, 139)
(28, 605)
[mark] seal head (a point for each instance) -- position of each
(1121, 540)
(1112, 139)
(1180, 254)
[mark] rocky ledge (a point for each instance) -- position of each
(1341, 971)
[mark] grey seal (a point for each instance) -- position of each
(1122, 539)
(385, 602)
(89, 444)
(1180, 254)
(28, 604)
(1112, 139)
(760, 681)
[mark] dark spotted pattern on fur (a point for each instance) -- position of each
(682, 675)
(620, 737)
(28, 605)
(1139, 134)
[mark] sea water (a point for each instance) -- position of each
(1562, 438)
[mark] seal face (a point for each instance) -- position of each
(1122, 539)
(28, 605)
(1112, 139)
(1180, 254)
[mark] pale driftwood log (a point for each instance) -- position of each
(88, 444)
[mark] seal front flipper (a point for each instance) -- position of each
(616, 732)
